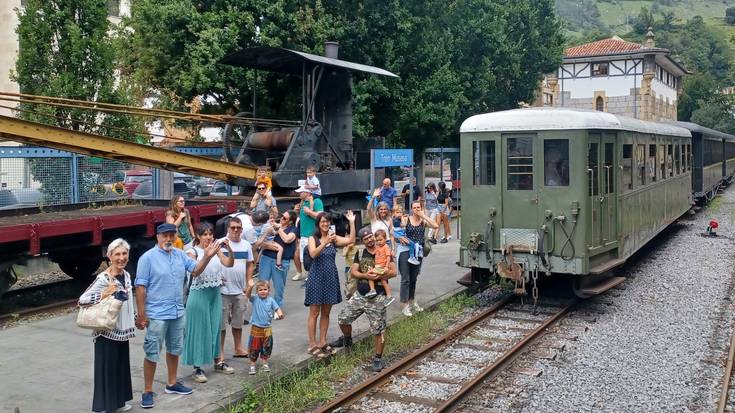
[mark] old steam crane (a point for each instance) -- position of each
(322, 139)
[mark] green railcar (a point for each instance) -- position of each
(562, 191)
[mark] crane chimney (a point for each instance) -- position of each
(331, 50)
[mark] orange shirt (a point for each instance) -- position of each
(382, 256)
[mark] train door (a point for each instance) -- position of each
(519, 193)
(601, 189)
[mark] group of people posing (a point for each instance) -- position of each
(186, 297)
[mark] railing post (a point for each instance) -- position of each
(74, 178)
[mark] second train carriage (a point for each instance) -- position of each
(567, 191)
(713, 160)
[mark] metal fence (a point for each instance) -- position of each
(36, 176)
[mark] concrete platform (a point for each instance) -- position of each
(47, 365)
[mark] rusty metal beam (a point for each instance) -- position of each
(105, 147)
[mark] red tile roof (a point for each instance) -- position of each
(613, 45)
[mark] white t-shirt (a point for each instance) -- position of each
(315, 182)
(235, 276)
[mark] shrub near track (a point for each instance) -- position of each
(321, 382)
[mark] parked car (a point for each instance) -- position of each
(145, 189)
(188, 180)
(204, 185)
(133, 178)
(19, 198)
(220, 189)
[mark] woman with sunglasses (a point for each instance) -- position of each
(286, 238)
(263, 200)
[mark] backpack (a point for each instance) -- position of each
(308, 260)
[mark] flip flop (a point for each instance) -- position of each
(317, 353)
(239, 356)
(329, 350)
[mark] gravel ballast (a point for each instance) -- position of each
(662, 344)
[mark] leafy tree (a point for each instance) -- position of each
(697, 88)
(453, 59)
(716, 112)
(730, 15)
(65, 52)
(643, 21)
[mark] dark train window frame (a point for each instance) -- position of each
(562, 163)
(608, 166)
(593, 170)
(627, 167)
(661, 173)
(640, 164)
(479, 153)
(677, 158)
(514, 169)
(670, 159)
(651, 162)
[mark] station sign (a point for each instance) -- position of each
(383, 158)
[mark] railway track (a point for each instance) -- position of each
(441, 374)
(38, 299)
(727, 385)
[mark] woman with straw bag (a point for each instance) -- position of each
(112, 384)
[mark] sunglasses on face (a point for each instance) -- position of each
(236, 228)
(260, 188)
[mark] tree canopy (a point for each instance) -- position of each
(454, 58)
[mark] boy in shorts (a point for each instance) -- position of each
(265, 309)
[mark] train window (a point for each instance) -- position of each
(627, 167)
(520, 164)
(689, 157)
(661, 162)
(651, 163)
(670, 159)
(556, 162)
(677, 159)
(484, 162)
(640, 164)
(609, 171)
(592, 169)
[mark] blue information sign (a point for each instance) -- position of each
(392, 157)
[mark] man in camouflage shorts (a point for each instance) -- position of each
(363, 270)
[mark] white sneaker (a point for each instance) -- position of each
(199, 376)
(449, 237)
(125, 408)
(414, 261)
(266, 367)
(416, 308)
(252, 370)
(297, 276)
(407, 311)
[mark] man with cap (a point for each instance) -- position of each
(159, 298)
(363, 269)
(310, 208)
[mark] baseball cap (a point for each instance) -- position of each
(303, 189)
(165, 227)
(364, 232)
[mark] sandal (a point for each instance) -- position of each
(329, 350)
(317, 352)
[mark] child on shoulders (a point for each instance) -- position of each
(312, 182)
(383, 254)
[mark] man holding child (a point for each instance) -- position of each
(363, 269)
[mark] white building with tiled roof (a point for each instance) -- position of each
(613, 75)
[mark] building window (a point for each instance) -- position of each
(484, 161)
(556, 162)
(113, 8)
(600, 104)
(600, 69)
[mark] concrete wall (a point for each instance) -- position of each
(8, 48)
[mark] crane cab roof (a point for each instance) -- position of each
(534, 119)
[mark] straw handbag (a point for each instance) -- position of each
(100, 316)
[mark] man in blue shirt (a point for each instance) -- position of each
(386, 193)
(159, 297)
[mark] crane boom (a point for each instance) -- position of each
(32, 133)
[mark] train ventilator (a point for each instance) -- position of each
(573, 192)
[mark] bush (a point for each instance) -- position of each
(730, 15)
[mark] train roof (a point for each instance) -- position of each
(277, 59)
(694, 128)
(519, 120)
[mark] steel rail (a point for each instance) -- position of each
(722, 403)
(407, 362)
(16, 315)
(504, 360)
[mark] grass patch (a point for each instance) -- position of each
(315, 384)
(715, 205)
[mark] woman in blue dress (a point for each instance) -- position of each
(322, 286)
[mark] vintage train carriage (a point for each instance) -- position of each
(713, 161)
(566, 191)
